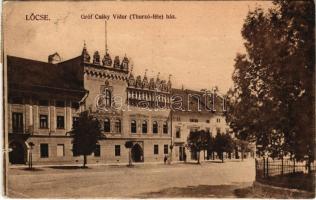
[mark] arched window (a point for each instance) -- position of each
(133, 126)
(165, 128)
(107, 98)
(107, 125)
(155, 127)
(118, 126)
(144, 126)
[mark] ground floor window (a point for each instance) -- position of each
(117, 150)
(97, 151)
(156, 149)
(165, 149)
(60, 150)
(44, 150)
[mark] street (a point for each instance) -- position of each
(210, 179)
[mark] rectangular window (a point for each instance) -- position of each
(178, 132)
(60, 150)
(43, 102)
(60, 103)
(208, 121)
(75, 121)
(117, 150)
(156, 149)
(17, 122)
(194, 120)
(165, 149)
(43, 121)
(44, 150)
(97, 151)
(218, 120)
(60, 122)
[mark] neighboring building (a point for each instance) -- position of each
(199, 110)
(45, 100)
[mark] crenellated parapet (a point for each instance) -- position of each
(106, 63)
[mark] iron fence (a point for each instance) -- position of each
(268, 167)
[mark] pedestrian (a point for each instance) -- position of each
(165, 159)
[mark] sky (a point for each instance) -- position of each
(197, 48)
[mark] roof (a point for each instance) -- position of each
(198, 101)
(29, 74)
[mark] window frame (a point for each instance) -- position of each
(107, 125)
(155, 127)
(165, 149)
(58, 121)
(42, 145)
(117, 150)
(145, 127)
(42, 123)
(133, 126)
(156, 149)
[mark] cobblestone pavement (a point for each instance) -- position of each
(210, 179)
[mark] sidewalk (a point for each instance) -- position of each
(124, 164)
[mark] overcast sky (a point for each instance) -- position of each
(198, 47)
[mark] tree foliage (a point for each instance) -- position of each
(86, 135)
(223, 143)
(198, 141)
(272, 101)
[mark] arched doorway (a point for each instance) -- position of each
(17, 154)
(137, 153)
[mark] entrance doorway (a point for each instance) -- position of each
(137, 153)
(17, 154)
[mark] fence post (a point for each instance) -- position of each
(282, 166)
(294, 166)
(264, 167)
(267, 167)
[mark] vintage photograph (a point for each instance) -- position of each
(158, 99)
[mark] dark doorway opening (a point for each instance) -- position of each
(17, 154)
(137, 153)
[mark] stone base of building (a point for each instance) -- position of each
(58, 150)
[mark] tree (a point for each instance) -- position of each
(129, 145)
(86, 135)
(223, 143)
(198, 141)
(272, 101)
(243, 146)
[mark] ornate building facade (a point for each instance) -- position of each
(129, 109)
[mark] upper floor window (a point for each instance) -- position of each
(208, 121)
(133, 126)
(60, 122)
(17, 122)
(75, 121)
(194, 120)
(43, 121)
(155, 127)
(43, 102)
(178, 132)
(107, 125)
(218, 130)
(165, 127)
(60, 103)
(144, 126)
(218, 120)
(118, 126)
(108, 98)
